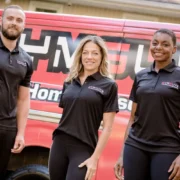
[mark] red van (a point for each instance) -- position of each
(51, 39)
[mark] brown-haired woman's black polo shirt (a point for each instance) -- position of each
(84, 105)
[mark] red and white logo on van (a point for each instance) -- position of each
(170, 84)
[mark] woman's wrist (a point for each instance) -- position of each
(95, 157)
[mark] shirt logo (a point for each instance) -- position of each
(21, 63)
(170, 84)
(96, 89)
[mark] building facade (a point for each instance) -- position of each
(148, 10)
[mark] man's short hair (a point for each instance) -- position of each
(12, 7)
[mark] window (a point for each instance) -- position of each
(45, 10)
(42, 6)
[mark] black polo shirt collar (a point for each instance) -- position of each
(97, 76)
(169, 68)
(16, 49)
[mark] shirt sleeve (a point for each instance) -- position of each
(27, 79)
(111, 101)
(61, 101)
(133, 96)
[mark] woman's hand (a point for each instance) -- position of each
(91, 165)
(118, 169)
(175, 169)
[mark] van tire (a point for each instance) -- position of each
(29, 172)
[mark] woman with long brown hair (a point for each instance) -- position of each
(89, 96)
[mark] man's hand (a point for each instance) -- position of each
(175, 169)
(118, 169)
(18, 144)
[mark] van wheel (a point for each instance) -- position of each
(30, 172)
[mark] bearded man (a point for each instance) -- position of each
(15, 74)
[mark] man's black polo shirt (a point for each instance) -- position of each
(84, 105)
(156, 123)
(15, 70)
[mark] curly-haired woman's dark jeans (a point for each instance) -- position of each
(143, 165)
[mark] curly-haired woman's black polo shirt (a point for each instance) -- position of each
(157, 118)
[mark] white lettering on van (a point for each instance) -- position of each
(138, 67)
(124, 103)
(56, 46)
(56, 58)
(44, 94)
(35, 49)
(62, 41)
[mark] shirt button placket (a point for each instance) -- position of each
(10, 59)
(157, 79)
(81, 88)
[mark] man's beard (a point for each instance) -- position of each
(10, 36)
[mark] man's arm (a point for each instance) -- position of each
(23, 104)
